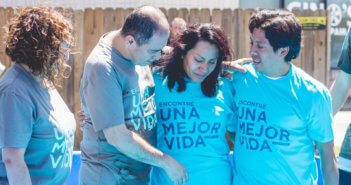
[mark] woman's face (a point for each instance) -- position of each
(200, 61)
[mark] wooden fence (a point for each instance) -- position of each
(90, 24)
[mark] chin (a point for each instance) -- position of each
(257, 68)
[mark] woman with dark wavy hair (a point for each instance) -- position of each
(36, 126)
(195, 106)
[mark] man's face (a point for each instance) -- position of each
(261, 51)
(148, 52)
(177, 28)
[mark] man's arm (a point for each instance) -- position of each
(134, 146)
(16, 168)
(339, 90)
(328, 163)
(237, 65)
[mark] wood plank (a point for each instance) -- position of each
(93, 26)
(68, 83)
(3, 35)
(319, 51)
(184, 14)
(110, 20)
(9, 13)
(234, 34)
(99, 23)
(298, 61)
(77, 72)
(245, 36)
(88, 32)
(194, 16)
(172, 13)
(241, 34)
(217, 17)
(205, 16)
(308, 43)
(120, 17)
(328, 50)
(227, 16)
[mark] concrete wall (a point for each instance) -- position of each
(259, 4)
(82, 4)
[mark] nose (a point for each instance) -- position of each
(203, 67)
(253, 51)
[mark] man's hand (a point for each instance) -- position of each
(237, 65)
(175, 171)
(81, 116)
(135, 147)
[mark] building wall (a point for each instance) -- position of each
(259, 4)
(82, 4)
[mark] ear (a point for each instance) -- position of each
(129, 41)
(283, 51)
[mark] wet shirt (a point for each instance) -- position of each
(344, 60)
(191, 128)
(38, 120)
(344, 161)
(278, 121)
(114, 91)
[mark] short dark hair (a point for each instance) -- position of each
(174, 62)
(282, 29)
(142, 26)
(35, 38)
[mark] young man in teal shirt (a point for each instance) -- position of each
(281, 110)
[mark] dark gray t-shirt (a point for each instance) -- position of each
(37, 119)
(345, 65)
(345, 57)
(114, 91)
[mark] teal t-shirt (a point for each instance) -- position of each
(37, 119)
(278, 121)
(191, 128)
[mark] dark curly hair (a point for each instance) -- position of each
(173, 62)
(282, 29)
(40, 37)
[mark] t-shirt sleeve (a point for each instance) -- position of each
(320, 122)
(345, 57)
(232, 116)
(103, 96)
(16, 121)
(232, 122)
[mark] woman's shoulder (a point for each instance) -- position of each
(18, 83)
